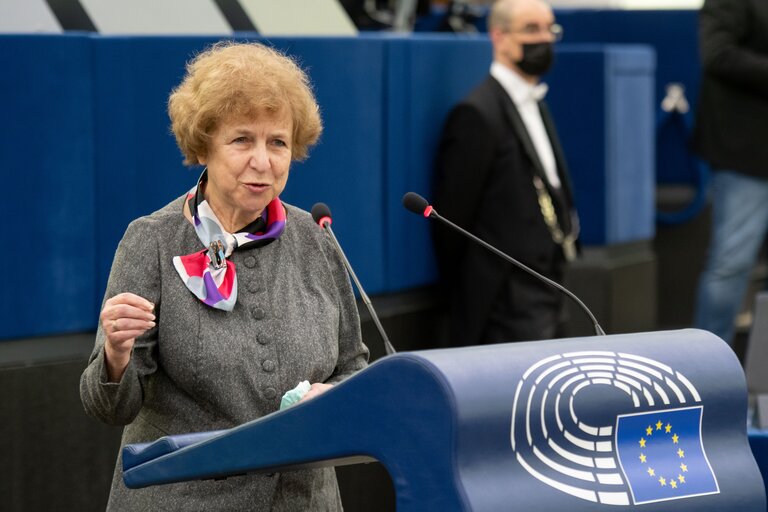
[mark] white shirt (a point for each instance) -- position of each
(526, 98)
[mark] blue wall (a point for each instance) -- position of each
(674, 37)
(86, 148)
(47, 165)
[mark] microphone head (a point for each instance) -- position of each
(321, 214)
(415, 203)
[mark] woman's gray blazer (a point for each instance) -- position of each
(204, 369)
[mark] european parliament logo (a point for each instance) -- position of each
(611, 428)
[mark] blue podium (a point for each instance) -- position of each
(582, 424)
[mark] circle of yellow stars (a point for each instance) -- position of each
(664, 482)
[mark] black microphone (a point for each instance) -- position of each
(415, 203)
(322, 215)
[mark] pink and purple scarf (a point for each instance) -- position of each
(207, 273)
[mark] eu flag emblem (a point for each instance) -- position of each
(662, 455)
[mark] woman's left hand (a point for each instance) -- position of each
(318, 388)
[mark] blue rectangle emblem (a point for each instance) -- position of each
(662, 455)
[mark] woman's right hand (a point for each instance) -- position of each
(124, 317)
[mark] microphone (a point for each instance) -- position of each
(322, 215)
(413, 202)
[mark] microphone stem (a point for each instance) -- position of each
(387, 345)
(598, 330)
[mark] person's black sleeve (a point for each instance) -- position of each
(724, 27)
(464, 160)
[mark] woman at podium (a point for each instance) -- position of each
(226, 298)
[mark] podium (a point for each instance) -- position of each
(582, 424)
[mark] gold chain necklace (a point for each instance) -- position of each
(567, 242)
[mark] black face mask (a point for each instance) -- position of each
(537, 58)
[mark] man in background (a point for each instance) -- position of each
(731, 133)
(500, 174)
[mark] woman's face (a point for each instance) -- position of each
(248, 162)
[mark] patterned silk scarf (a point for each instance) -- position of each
(207, 273)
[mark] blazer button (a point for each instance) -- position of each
(270, 393)
(249, 261)
(252, 286)
(268, 366)
(258, 313)
(262, 339)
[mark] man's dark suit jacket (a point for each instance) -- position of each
(732, 119)
(484, 182)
